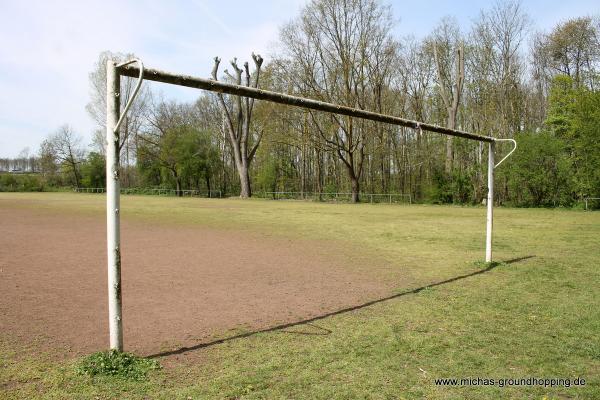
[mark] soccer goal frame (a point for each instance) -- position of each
(114, 118)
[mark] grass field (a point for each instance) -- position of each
(534, 314)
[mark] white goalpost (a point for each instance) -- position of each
(114, 118)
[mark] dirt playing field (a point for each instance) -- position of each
(182, 285)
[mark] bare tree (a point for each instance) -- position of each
(416, 77)
(64, 148)
(132, 122)
(496, 47)
(449, 56)
(341, 50)
(237, 113)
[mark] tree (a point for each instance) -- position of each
(586, 143)
(132, 122)
(497, 42)
(561, 106)
(341, 52)
(48, 166)
(178, 144)
(572, 48)
(449, 56)
(412, 154)
(63, 148)
(237, 114)
(209, 117)
(93, 170)
(574, 117)
(539, 173)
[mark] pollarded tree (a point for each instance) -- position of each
(237, 114)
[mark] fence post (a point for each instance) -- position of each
(113, 238)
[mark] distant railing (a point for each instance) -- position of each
(373, 198)
(338, 196)
(89, 190)
(157, 192)
(587, 199)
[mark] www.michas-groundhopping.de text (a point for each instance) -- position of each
(511, 382)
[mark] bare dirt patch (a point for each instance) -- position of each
(182, 285)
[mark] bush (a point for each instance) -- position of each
(21, 183)
(117, 364)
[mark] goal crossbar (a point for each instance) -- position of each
(281, 98)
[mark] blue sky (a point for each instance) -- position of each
(48, 48)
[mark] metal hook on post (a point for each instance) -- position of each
(514, 142)
(135, 91)
(490, 197)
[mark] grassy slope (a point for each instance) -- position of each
(536, 317)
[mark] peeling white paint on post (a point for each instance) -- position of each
(490, 204)
(113, 235)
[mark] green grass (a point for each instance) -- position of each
(113, 363)
(538, 316)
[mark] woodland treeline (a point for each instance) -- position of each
(498, 77)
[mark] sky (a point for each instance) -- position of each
(48, 48)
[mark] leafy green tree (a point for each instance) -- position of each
(197, 158)
(182, 154)
(93, 171)
(539, 173)
(585, 138)
(561, 106)
(267, 176)
(574, 116)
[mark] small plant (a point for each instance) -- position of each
(118, 364)
(485, 265)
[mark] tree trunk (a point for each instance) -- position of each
(355, 185)
(207, 178)
(451, 97)
(319, 173)
(245, 191)
(178, 183)
(449, 154)
(236, 121)
(77, 177)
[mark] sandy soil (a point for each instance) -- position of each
(182, 285)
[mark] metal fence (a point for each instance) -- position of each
(391, 198)
(157, 192)
(590, 199)
(338, 196)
